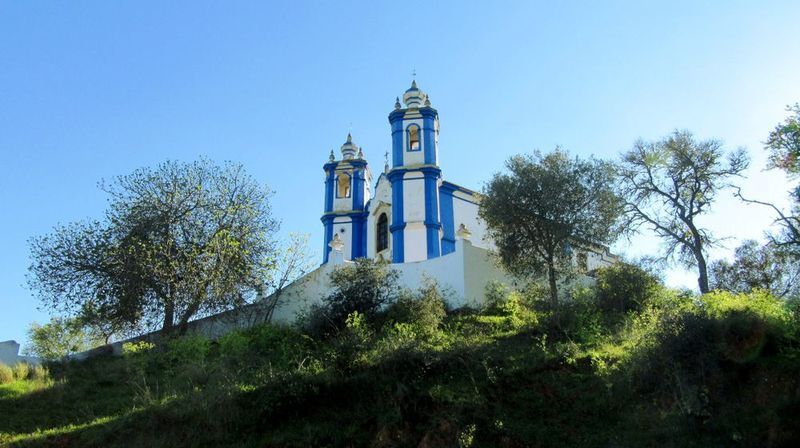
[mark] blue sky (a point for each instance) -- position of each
(90, 90)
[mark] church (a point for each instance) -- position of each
(413, 214)
(426, 227)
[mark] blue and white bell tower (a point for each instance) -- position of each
(415, 177)
(347, 191)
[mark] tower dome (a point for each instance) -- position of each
(349, 149)
(414, 98)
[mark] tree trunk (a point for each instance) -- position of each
(169, 316)
(702, 268)
(554, 308)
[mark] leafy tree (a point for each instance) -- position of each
(667, 185)
(60, 338)
(176, 241)
(757, 266)
(544, 206)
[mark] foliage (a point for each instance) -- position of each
(6, 374)
(543, 207)
(784, 143)
(293, 262)
(363, 286)
(22, 370)
(757, 267)
(423, 310)
(683, 370)
(668, 184)
(60, 338)
(625, 287)
(176, 241)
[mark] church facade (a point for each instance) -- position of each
(413, 214)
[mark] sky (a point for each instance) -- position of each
(92, 90)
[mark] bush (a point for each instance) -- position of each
(423, 310)
(21, 370)
(363, 286)
(6, 374)
(40, 373)
(517, 307)
(625, 287)
(188, 349)
(234, 346)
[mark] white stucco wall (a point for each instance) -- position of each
(9, 354)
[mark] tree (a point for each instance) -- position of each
(60, 338)
(293, 262)
(667, 185)
(783, 144)
(543, 207)
(757, 266)
(177, 241)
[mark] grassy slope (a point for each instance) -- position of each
(483, 381)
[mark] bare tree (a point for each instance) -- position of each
(667, 185)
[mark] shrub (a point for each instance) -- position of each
(188, 349)
(423, 310)
(234, 346)
(40, 373)
(21, 370)
(6, 374)
(625, 287)
(364, 286)
(130, 349)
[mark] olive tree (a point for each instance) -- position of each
(176, 241)
(668, 184)
(543, 206)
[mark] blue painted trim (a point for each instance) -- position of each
(448, 219)
(359, 237)
(397, 143)
(456, 187)
(358, 190)
(327, 222)
(429, 140)
(329, 192)
(398, 223)
(432, 224)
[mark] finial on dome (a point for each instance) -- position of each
(360, 153)
(349, 149)
(427, 101)
(397, 105)
(331, 157)
(413, 97)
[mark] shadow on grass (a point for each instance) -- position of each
(503, 393)
(81, 393)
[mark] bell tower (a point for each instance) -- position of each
(415, 177)
(347, 191)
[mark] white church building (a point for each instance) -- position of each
(425, 226)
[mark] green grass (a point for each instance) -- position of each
(475, 380)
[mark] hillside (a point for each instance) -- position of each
(717, 370)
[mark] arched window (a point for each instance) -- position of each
(383, 232)
(413, 138)
(343, 185)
